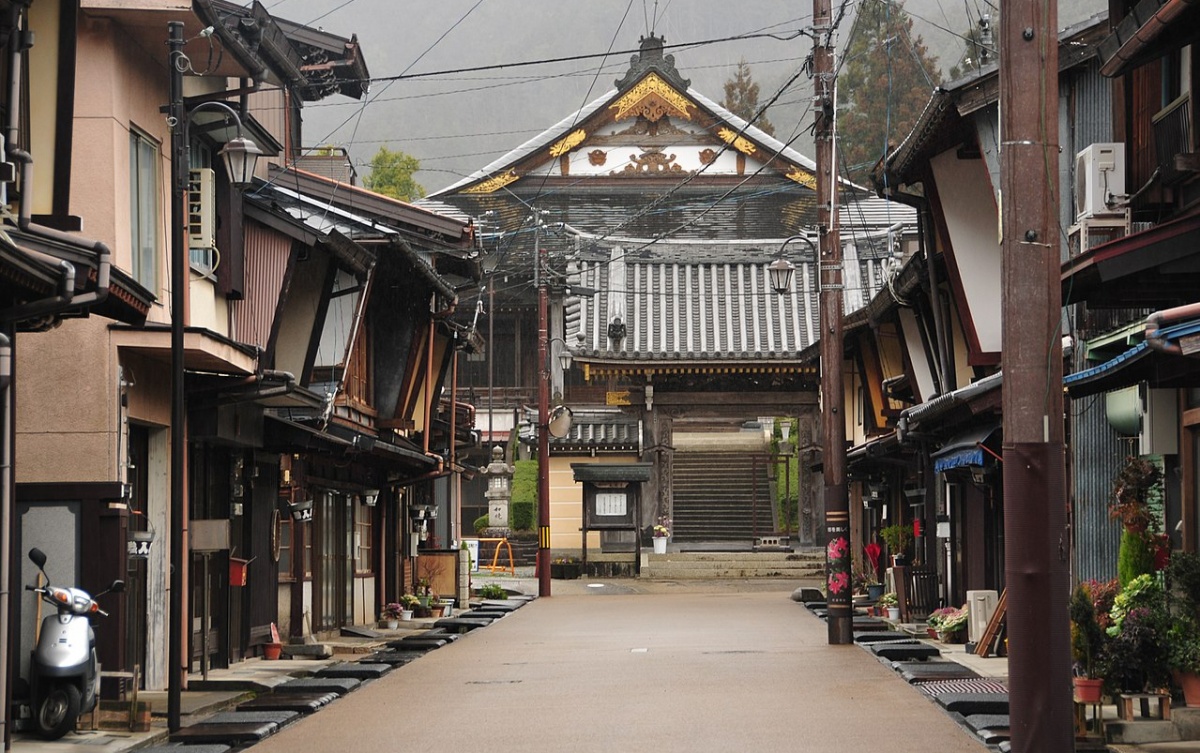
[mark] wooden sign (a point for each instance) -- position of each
(617, 398)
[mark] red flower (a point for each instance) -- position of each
(838, 582)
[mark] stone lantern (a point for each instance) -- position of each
(499, 491)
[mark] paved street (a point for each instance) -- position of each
(708, 668)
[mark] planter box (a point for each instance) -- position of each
(566, 570)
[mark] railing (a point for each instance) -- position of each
(1172, 135)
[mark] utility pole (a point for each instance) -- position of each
(543, 429)
(833, 426)
(1035, 520)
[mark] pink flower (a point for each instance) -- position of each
(837, 548)
(838, 582)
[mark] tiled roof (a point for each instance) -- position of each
(696, 303)
(594, 429)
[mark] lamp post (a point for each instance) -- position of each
(240, 156)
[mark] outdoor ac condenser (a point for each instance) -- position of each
(1099, 177)
(980, 607)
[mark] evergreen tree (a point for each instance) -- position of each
(392, 175)
(741, 98)
(886, 81)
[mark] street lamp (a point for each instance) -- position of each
(781, 270)
(240, 156)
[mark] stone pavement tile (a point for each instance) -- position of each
(419, 644)
(241, 717)
(987, 721)
(174, 748)
(356, 670)
(339, 685)
(974, 703)
(395, 658)
(304, 703)
(923, 671)
(463, 624)
(881, 637)
(231, 734)
(899, 650)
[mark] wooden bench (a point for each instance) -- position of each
(1125, 701)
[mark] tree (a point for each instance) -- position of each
(888, 77)
(392, 175)
(741, 98)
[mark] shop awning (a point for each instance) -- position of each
(963, 449)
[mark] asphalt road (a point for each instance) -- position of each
(638, 667)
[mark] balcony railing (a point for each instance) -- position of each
(1173, 136)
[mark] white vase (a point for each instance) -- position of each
(660, 544)
(406, 614)
(393, 624)
(893, 613)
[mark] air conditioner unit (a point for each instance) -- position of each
(981, 605)
(202, 208)
(1149, 414)
(1099, 176)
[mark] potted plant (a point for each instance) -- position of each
(1136, 656)
(1134, 486)
(1087, 644)
(408, 603)
(661, 532)
(950, 624)
(1183, 578)
(436, 607)
(391, 614)
(899, 539)
(889, 602)
(566, 568)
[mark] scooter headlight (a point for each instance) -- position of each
(62, 596)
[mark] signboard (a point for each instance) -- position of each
(609, 508)
(609, 504)
(617, 398)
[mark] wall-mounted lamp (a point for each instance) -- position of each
(370, 497)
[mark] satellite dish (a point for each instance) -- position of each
(559, 422)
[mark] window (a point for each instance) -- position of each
(362, 538)
(143, 208)
(284, 533)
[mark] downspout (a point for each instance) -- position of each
(1155, 321)
(456, 519)
(6, 522)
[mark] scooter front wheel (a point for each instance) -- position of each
(58, 711)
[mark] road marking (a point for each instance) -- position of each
(638, 650)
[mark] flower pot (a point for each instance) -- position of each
(893, 613)
(874, 591)
(406, 615)
(1088, 689)
(660, 544)
(436, 610)
(1189, 682)
(447, 607)
(272, 651)
(392, 623)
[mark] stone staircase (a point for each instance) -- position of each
(721, 496)
(805, 565)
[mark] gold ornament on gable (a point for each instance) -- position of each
(568, 142)
(597, 157)
(650, 163)
(653, 99)
(803, 177)
(741, 143)
(494, 183)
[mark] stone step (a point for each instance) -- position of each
(729, 573)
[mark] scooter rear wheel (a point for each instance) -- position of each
(58, 711)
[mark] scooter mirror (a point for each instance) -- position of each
(117, 587)
(38, 557)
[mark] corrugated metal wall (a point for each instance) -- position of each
(267, 254)
(1096, 449)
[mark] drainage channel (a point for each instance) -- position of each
(977, 703)
(257, 719)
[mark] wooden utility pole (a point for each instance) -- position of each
(1035, 521)
(833, 434)
(543, 429)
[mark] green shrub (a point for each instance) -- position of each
(1134, 558)
(492, 591)
(480, 524)
(521, 516)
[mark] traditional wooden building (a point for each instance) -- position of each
(651, 215)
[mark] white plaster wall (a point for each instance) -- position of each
(969, 210)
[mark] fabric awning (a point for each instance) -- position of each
(964, 449)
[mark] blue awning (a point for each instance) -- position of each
(964, 449)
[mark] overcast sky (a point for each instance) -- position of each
(457, 123)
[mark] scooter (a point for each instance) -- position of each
(64, 673)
